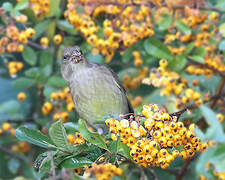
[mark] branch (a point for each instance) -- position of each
(31, 43)
(183, 170)
(193, 106)
(205, 65)
(218, 91)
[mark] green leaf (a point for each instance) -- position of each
(222, 29)
(40, 28)
(22, 5)
(197, 59)
(66, 26)
(54, 8)
(42, 163)
(156, 48)
(222, 45)
(125, 149)
(7, 6)
(215, 130)
(34, 137)
(189, 48)
(10, 107)
(51, 29)
(13, 165)
(57, 81)
(178, 63)
(32, 72)
(203, 159)
(58, 134)
(200, 52)
(46, 58)
(165, 23)
(29, 56)
(91, 137)
(76, 162)
(114, 146)
(184, 28)
(23, 83)
(127, 56)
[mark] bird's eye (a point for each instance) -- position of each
(65, 57)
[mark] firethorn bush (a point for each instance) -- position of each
(170, 57)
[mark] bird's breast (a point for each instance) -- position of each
(95, 95)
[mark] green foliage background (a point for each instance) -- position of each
(42, 68)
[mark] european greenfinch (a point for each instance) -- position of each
(96, 90)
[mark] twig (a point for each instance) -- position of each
(52, 165)
(193, 106)
(218, 91)
(205, 65)
(153, 173)
(183, 170)
(36, 45)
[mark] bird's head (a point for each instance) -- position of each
(72, 55)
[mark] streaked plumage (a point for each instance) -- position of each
(96, 89)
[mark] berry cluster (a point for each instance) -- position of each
(131, 82)
(40, 8)
(137, 58)
(152, 142)
(104, 171)
(171, 82)
(131, 24)
(58, 99)
(208, 67)
(75, 139)
(22, 147)
(14, 67)
(13, 39)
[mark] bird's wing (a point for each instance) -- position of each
(118, 83)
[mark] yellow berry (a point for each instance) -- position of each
(21, 96)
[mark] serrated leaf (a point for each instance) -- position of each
(215, 130)
(76, 162)
(57, 81)
(23, 83)
(58, 134)
(34, 137)
(91, 137)
(156, 48)
(29, 56)
(22, 5)
(66, 26)
(184, 28)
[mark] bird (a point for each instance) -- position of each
(96, 90)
